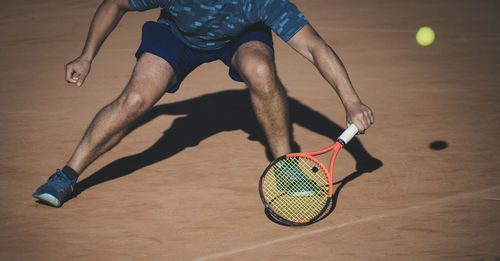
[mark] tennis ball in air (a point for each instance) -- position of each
(425, 36)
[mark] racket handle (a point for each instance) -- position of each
(348, 134)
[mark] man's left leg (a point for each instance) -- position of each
(254, 62)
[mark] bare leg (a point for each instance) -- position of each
(151, 77)
(254, 61)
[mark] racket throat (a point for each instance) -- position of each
(341, 142)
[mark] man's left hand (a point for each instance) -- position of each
(360, 115)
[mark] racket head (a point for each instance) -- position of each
(296, 189)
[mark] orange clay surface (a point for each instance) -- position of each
(184, 184)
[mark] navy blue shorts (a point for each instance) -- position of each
(160, 41)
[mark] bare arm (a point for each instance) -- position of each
(105, 20)
(310, 44)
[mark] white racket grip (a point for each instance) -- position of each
(348, 134)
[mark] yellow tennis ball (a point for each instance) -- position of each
(425, 36)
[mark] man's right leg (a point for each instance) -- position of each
(152, 76)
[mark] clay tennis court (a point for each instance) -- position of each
(184, 184)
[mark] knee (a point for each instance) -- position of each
(255, 63)
(257, 69)
(263, 81)
(133, 103)
(259, 73)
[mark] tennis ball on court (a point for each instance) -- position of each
(425, 36)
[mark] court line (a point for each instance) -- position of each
(359, 221)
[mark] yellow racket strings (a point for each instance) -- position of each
(296, 189)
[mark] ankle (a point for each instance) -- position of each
(70, 173)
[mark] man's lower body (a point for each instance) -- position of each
(163, 62)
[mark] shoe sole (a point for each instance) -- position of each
(48, 199)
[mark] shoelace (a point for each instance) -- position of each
(59, 181)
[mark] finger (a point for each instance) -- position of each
(365, 125)
(74, 77)
(369, 117)
(361, 129)
(70, 75)
(367, 121)
(81, 79)
(359, 125)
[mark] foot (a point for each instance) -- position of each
(56, 190)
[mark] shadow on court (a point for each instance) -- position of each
(204, 116)
(333, 203)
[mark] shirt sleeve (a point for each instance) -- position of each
(282, 16)
(143, 5)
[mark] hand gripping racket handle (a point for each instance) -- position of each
(348, 134)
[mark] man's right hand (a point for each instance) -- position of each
(77, 70)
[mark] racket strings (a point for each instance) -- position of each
(296, 188)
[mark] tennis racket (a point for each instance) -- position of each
(296, 188)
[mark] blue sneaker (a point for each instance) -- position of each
(56, 190)
(291, 179)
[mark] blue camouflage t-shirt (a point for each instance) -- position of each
(211, 24)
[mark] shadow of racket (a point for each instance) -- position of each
(278, 220)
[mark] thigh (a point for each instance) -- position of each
(158, 39)
(151, 78)
(256, 39)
